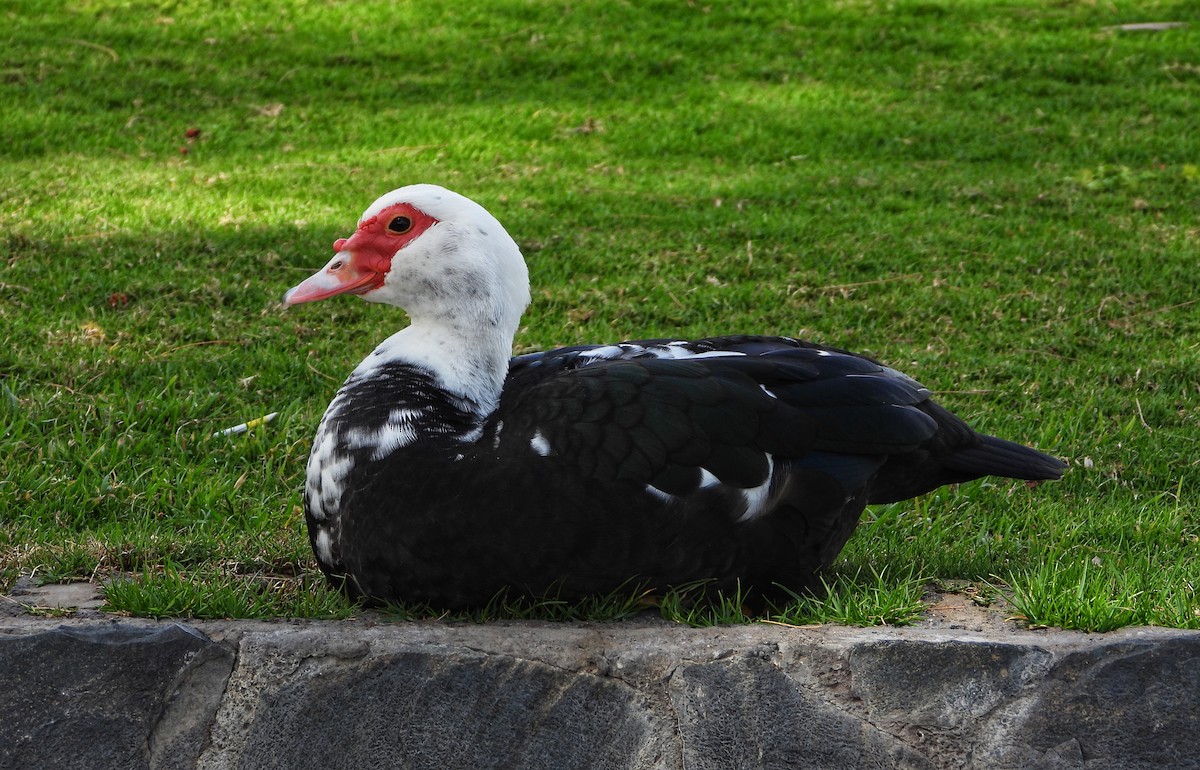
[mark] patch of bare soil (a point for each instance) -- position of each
(964, 607)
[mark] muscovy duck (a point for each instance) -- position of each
(445, 472)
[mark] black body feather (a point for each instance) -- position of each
(744, 460)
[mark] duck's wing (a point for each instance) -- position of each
(678, 417)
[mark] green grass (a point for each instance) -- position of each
(1001, 199)
(851, 599)
(164, 591)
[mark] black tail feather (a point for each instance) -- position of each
(997, 457)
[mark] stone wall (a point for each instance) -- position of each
(104, 693)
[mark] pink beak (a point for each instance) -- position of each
(345, 274)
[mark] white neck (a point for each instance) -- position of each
(465, 285)
(469, 364)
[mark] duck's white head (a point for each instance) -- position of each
(453, 268)
(437, 254)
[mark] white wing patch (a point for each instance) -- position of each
(758, 498)
(391, 437)
(711, 354)
(399, 431)
(707, 479)
(323, 476)
(539, 444)
(324, 546)
(333, 470)
(606, 352)
(678, 350)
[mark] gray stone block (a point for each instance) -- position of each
(643, 694)
(1123, 705)
(747, 712)
(108, 696)
(420, 710)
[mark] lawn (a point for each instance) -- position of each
(1000, 199)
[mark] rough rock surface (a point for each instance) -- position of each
(107, 695)
(104, 693)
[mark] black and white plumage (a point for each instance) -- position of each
(445, 472)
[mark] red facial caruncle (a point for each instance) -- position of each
(363, 260)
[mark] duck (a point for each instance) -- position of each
(447, 472)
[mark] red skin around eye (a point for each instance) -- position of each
(372, 246)
(362, 261)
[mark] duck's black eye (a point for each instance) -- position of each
(400, 225)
